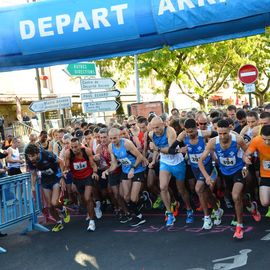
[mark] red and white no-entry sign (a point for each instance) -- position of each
(248, 74)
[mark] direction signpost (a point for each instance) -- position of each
(103, 94)
(50, 104)
(248, 75)
(100, 106)
(101, 83)
(82, 69)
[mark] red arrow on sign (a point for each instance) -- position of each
(248, 74)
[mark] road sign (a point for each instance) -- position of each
(103, 94)
(82, 69)
(248, 74)
(249, 88)
(50, 104)
(101, 83)
(100, 106)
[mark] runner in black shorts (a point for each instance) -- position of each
(51, 180)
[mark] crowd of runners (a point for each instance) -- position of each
(191, 160)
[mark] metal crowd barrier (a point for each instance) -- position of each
(18, 203)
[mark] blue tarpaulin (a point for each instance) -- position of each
(62, 31)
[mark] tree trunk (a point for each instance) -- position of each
(203, 103)
(261, 99)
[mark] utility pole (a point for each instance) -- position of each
(137, 79)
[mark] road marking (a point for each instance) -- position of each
(266, 237)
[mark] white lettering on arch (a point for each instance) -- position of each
(61, 22)
(181, 4)
(27, 29)
(165, 5)
(100, 15)
(80, 22)
(44, 24)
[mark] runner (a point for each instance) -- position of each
(194, 139)
(51, 180)
(79, 160)
(125, 152)
(163, 137)
(261, 144)
(227, 146)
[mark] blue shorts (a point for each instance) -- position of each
(198, 174)
(178, 171)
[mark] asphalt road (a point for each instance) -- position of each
(149, 247)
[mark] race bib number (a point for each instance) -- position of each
(78, 166)
(124, 161)
(48, 172)
(266, 165)
(194, 158)
(228, 161)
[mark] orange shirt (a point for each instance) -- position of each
(258, 144)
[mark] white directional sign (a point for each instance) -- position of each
(101, 83)
(50, 104)
(103, 94)
(100, 106)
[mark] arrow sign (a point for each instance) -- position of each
(102, 83)
(100, 106)
(50, 104)
(82, 69)
(103, 94)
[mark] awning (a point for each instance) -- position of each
(62, 31)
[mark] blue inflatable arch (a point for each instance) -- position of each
(61, 31)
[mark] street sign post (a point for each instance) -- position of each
(103, 94)
(100, 106)
(50, 104)
(100, 83)
(248, 75)
(82, 69)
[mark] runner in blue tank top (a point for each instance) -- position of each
(125, 152)
(170, 164)
(229, 149)
(194, 140)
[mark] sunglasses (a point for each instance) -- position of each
(203, 124)
(134, 124)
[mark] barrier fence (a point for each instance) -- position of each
(18, 203)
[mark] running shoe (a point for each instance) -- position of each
(207, 223)
(255, 212)
(170, 219)
(98, 211)
(217, 216)
(157, 203)
(190, 217)
(66, 215)
(58, 227)
(138, 221)
(147, 200)
(125, 218)
(234, 222)
(175, 208)
(239, 233)
(268, 212)
(91, 226)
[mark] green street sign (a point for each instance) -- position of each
(82, 69)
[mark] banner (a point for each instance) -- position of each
(62, 31)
